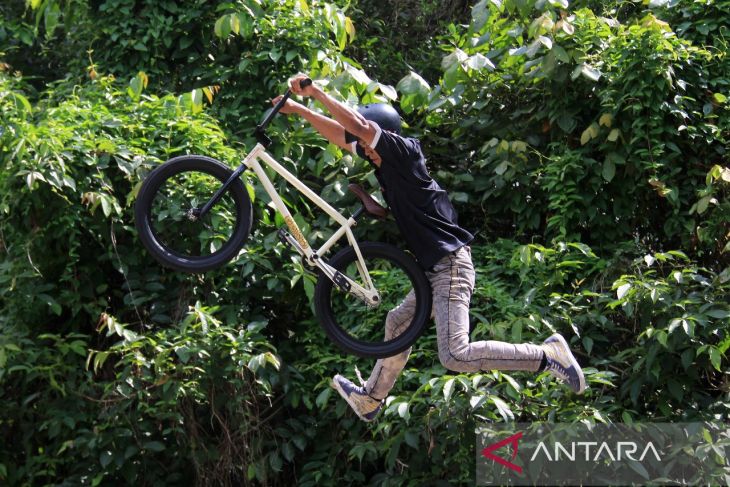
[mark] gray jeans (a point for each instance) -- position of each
(452, 283)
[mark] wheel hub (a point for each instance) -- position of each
(193, 214)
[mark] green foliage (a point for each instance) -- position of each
(174, 387)
(618, 154)
(591, 137)
(394, 37)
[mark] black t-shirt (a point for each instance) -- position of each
(422, 210)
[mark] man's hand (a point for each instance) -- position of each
(296, 89)
(289, 107)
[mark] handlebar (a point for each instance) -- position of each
(260, 131)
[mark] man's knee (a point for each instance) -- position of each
(454, 361)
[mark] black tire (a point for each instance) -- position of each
(348, 322)
(162, 221)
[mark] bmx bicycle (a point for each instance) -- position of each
(193, 214)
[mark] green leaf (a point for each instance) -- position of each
(703, 203)
(287, 450)
(478, 400)
(687, 358)
(585, 137)
(503, 408)
(567, 123)
(275, 461)
(546, 41)
(448, 389)
(512, 382)
(105, 458)
(222, 27)
(588, 344)
(622, 290)
(609, 170)
(155, 446)
(322, 397)
(51, 18)
(715, 358)
(451, 77)
(403, 410)
(517, 331)
(24, 103)
(411, 438)
(183, 353)
(560, 54)
(586, 70)
(453, 60)
(308, 288)
(235, 23)
(271, 359)
(478, 62)
(388, 91)
(718, 313)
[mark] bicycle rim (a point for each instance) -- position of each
(173, 220)
(359, 328)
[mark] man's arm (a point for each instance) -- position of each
(330, 129)
(347, 118)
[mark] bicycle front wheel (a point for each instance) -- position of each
(359, 328)
(168, 222)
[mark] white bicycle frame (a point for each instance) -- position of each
(367, 294)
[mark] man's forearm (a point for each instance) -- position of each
(330, 129)
(348, 118)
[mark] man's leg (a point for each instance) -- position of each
(367, 400)
(387, 370)
(452, 281)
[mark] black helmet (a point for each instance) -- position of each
(383, 114)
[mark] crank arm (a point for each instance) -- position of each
(370, 298)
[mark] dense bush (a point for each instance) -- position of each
(585, 143)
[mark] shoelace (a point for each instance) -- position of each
(359, 377)
(363, 382)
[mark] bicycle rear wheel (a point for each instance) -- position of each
(359, 329)
(166, 220)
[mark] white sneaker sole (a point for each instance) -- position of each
(573, 363)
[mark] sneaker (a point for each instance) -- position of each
(562, 364)
(365, 406)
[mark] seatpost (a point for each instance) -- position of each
(260, 131)
(358, 213)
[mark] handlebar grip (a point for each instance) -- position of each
(259, 132)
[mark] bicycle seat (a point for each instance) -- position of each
(371, 206)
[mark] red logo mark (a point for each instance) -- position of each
(512, 440)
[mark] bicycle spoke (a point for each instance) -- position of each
(176, 225)
(362, 321)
